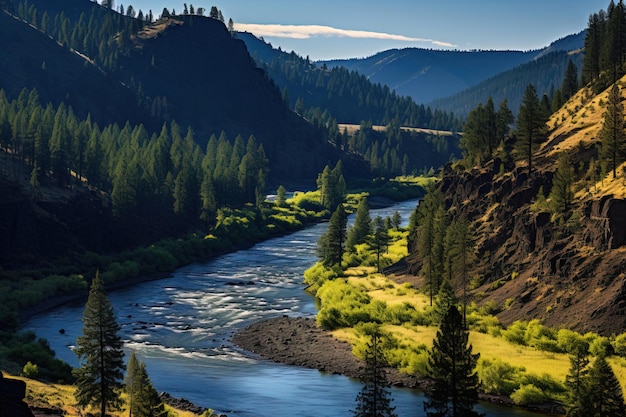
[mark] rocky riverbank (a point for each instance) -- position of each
(299, 341)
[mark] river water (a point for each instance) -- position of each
(181, 327)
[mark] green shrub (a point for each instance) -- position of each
(30, 370)
(572, 342)
(619, 345)
(528, 394)
(499, 377)
(516, 332)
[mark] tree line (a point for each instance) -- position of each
(324, 94)
(605, 46)
(155, 176)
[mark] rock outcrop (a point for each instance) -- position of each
(566, 272)
(12, 394)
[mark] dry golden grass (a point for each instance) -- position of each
(58, 396)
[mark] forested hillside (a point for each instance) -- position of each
(545, 73)
(322, 92)
(426, 74)
(545, 203)
(163, 76)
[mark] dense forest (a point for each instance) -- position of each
(322, 93)
(545, 73)
(158, 177)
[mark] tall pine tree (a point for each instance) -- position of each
(531, 125)
(613, 133)
(374, 399)
(98, 378)
(452, 367)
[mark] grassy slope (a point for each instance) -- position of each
(61, 397)
(490, 347)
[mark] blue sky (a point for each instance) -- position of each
(328, 29)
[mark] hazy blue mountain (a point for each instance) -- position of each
(426, 74)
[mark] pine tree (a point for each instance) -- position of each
(531, 123)
(374, 398)
(100, 351)
(362, 226)
(452, 367)
(379, 239)
(561, 194)
(613, 133)
(569, 87)
(603, 394)
(576, 380)
(330, 246)
(281, 201)
(143, 399)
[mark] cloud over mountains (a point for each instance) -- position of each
(310, 31)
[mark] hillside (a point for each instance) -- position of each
(567, 271)
(426, 74)
(456, 81)
(189, 70)
(31, 59)
(545, 73)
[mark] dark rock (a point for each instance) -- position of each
(12, 394)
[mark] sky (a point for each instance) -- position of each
(336, 29)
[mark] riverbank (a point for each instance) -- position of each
(299, 341)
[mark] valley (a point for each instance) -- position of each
(205, 179)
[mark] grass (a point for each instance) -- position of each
(412, 339)
(59, 396)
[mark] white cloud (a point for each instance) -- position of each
(310, 31)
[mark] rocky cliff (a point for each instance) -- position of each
(566, 270)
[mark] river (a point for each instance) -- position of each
(181, 327)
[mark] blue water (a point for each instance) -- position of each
(181, 327)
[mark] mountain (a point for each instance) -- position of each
(545, 73)
(186, 69)
(451, 82)
(343, 95)
(426, 74)
(31, 59)
(564, 268)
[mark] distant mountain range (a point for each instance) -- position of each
(454, 81)
(427, 75)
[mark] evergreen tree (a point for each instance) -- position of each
(143, 399)
(531, 123)
(380, 239)
(280, 196)
(459, 256)
(330, 246)
(452, 367)
(98, 378)
(613, 133)
(374, 398)
(593, 44)
(426, 218)
(362, 226)
(444, 301)
(576, 380)
(603, 394)
(562, 194)
(569, 87)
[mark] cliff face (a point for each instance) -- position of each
(568, 275)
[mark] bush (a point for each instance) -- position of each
(30, 370)
(528, 394)
(516, 333)
(499, 377)
(619, 345)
